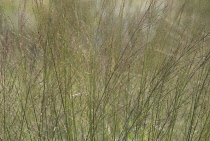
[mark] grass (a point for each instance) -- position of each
(91, 72)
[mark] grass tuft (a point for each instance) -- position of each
(104, 70)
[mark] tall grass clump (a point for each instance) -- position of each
(111, 70)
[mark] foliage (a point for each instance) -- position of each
(84, 72)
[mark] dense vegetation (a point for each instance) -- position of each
(104, 70)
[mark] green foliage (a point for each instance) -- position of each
(86, 71)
